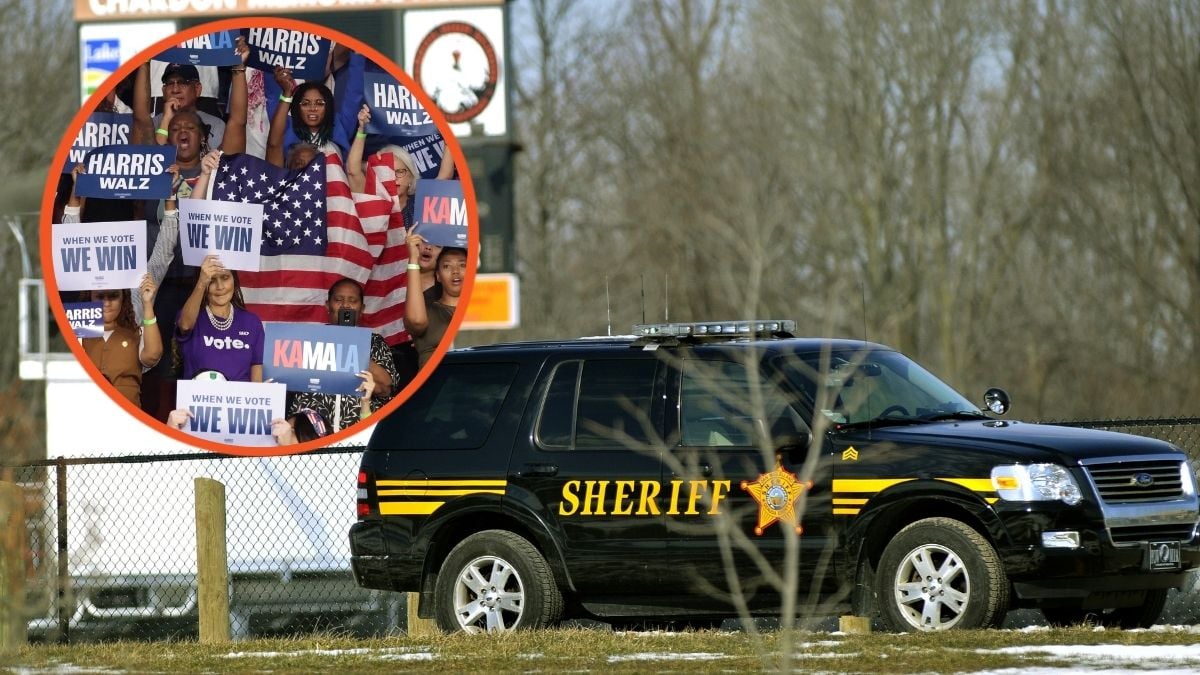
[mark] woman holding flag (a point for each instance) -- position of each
(215, 331)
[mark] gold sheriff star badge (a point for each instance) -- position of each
(776, 493)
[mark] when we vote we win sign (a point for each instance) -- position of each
(98, 256)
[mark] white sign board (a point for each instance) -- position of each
(99, 256)
(103, 47)
(231, 230)
(457, 56)
(237, 413)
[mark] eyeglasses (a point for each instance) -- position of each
(312, 103)
(177, 82)
(402, 171)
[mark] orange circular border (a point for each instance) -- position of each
(60, 158)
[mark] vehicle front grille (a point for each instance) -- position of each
(1139, 533)
(119, 597)
(1126, 482)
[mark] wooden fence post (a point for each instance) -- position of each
(212, 565)
(12, 568)
(417, 626)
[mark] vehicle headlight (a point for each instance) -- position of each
(1035, 483)
(1187, 479)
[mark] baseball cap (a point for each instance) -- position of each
(185, 70)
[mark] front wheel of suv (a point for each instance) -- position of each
(938, 574)
(495, 581)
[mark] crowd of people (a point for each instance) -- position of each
(164, 330)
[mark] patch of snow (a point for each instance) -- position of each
(819, 643)
(1138, 656)
(667, 656)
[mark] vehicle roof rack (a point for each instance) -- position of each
(674, 332)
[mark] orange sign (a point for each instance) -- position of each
(495, 303)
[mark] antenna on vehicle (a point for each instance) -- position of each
(608, 304)
(643, 298)
(862, 287)
(666, 298)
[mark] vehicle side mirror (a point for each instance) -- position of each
(996, 400)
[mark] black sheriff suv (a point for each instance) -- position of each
(695, 472)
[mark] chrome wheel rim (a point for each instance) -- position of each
(489, 596)
(932, 588)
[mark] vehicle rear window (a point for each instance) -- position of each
(454, 410)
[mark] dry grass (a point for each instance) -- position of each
(585, 651)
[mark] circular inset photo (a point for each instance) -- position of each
(259, 231)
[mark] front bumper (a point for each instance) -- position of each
(1117, 547)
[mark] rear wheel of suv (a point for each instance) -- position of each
(938, 574)
(495, 581)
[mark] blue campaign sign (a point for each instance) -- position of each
(316, 358)
(441, 213)
(126, 172)
(99, 130)
(395, 112)
(87, 318)
(427, 152)
(299, 51)
(213, 49)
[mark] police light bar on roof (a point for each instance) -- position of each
(715, 328)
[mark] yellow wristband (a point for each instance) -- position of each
(150, 322)
(162, 132)
(285, 99)
(414, 266)
(360, 134)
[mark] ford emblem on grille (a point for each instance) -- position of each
(1142, 480)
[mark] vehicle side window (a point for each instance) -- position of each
(597, 404)
(556, 422)
(454, 410)
(716, 407)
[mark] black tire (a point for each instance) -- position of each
(964, 584)
(495, 581)
(1144, 615)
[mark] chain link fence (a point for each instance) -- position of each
(112, 547)
(112, 555)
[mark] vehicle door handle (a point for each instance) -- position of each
(536, 470)
(705, 470)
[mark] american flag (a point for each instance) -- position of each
(385, 291)
(311, 234)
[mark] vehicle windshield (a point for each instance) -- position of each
(876, 386)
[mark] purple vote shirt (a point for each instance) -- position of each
(230, 352)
